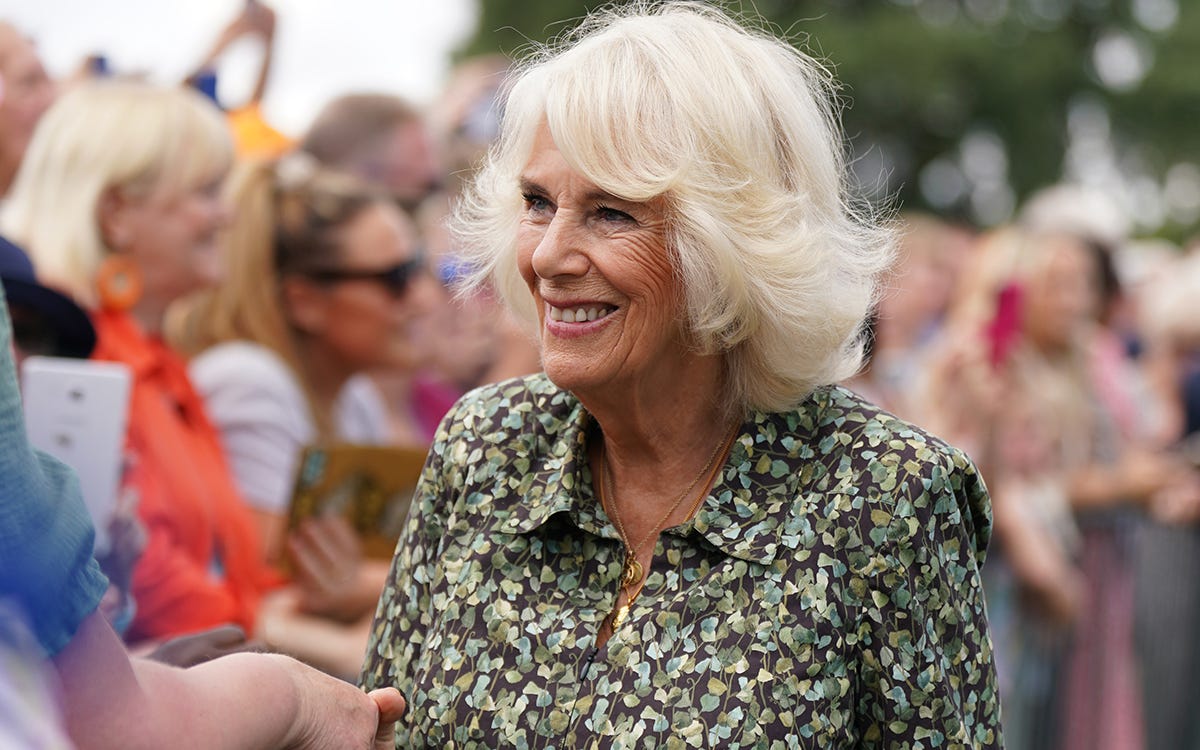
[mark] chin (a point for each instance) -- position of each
(572, 375)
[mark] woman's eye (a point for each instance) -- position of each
(535, 203)
(612, 214)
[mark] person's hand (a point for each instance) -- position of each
(255, 18)
(1058, 598)
(197, 648)
(260, 18)
(127, 539)
(1179, 502)
(1144, 474)
(326, 557)
(391, 707)
(335, 714)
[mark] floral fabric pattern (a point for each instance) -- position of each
(826, 594)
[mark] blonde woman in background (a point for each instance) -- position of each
(325, 280)
(117, 202)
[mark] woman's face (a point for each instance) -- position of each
(1061, 299)
(365, 322)
(172, 235)
(599, 270)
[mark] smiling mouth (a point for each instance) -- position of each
(583, 314)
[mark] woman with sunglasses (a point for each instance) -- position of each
(324, 281)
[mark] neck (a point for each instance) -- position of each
(149, 316)
(663, 427)
(323, 372)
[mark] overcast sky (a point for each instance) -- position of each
(323, 47)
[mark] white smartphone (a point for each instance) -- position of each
(77, 410)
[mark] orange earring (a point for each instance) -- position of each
(118, 283)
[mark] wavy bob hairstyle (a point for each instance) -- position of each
(736, 130)
(129, 135)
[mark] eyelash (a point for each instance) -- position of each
(532, 198)
(614, 213)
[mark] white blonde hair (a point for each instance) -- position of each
(128, 135)
(736, 130)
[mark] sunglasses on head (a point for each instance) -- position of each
(395, 278)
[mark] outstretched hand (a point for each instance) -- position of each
(335, 714)
(391, 707)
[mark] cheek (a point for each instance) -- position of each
(527, 242)
(650, 276)
(366, 316)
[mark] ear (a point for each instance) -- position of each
(304, 304)
(114, 217)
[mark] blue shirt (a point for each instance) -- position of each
(46, 535)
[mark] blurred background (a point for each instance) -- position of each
(968, 106)
(964, 107)
(324, 47)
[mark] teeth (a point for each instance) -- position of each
(578, 314)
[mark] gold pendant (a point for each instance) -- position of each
(631, 573)
(619, 617)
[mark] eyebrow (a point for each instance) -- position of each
(529, 186)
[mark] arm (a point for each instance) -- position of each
(1041, 565)
(113, 701)
(263, 21)
(254, 18)
(261, 415)
(238, 701)
(46, 535)
(1136, 478)
(332, 647)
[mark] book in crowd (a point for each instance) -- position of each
(371, 485)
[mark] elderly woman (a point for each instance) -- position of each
(680, 533)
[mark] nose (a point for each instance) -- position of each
(560, 250)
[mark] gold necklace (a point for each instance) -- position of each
(631, 570)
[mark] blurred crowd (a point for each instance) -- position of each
(271, 292)
(1064, 356)
(267, 293)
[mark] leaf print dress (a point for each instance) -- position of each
(826, 594)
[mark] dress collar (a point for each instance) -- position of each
(754, 508)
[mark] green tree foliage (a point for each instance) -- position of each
(992, 93)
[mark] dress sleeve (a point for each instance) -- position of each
(46, 535)
(926, 673)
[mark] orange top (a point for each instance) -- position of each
(202, 565)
